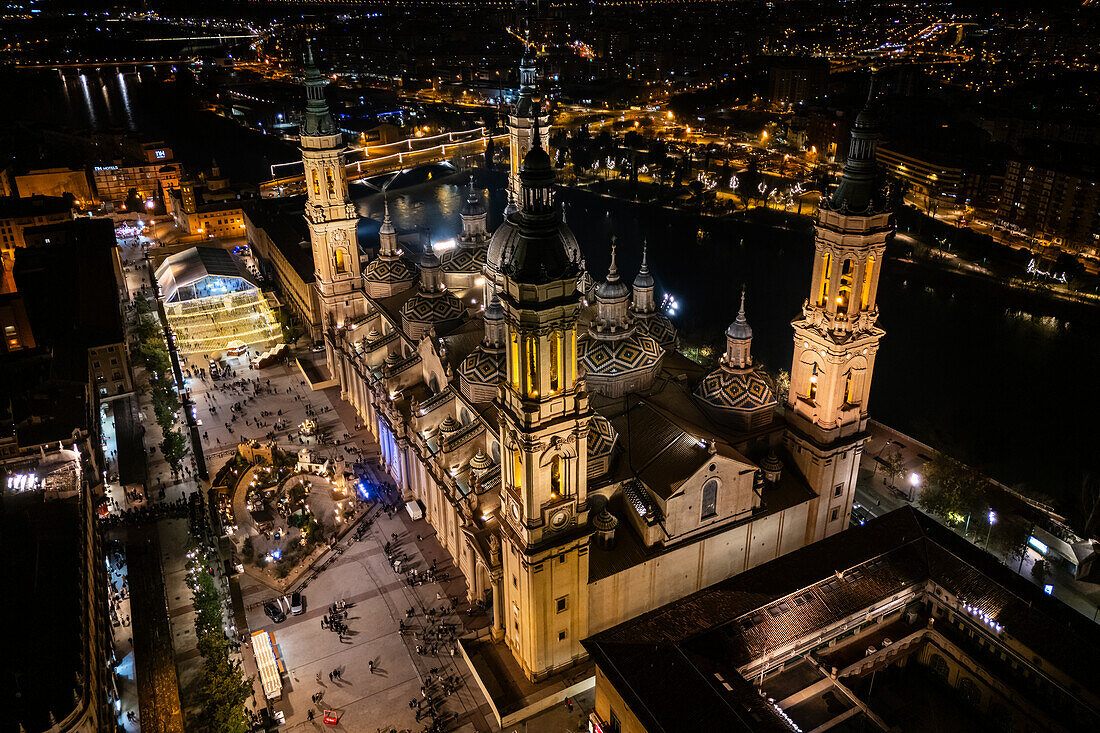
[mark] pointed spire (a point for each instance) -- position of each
(317, 120)
(644, 284)
(741, 313)
(309, 53)
(645, 254)
(613, 271)
(740, 329)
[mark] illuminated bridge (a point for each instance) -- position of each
(376, 160)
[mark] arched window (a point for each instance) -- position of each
(938, 666)
(532, 367)
(844, 294)
(811, 391)
(338, 261)
(826, 272)
(555, 477)
(316, 183)
(970, 692)
(848, 389)
(865, 296)
(710, 499)
(555, 361)
(515, 360)
(517, 467)
(331, 182)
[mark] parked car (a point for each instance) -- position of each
(297, 603)
(274, 612)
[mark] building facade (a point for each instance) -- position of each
(1054, 202)
(579, 470)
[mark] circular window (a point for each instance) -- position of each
(515, 511)
(712, 467)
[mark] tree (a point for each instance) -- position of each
(1039, 571)
(248, 550)
(174, 448)
(893, 466)
(1009, 539)
(952, 491)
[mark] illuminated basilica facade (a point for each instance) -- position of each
(577, 467)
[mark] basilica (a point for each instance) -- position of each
(578, 468)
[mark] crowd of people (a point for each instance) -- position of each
(210, 324)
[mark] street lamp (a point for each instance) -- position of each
(992, 519)
(914, 482)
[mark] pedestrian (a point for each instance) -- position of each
(330, 676)
(569, 704)
(309, 715)
(370, 664)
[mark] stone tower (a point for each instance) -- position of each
(544, 422)
(329, 213)
(528, 119)
(836, 338)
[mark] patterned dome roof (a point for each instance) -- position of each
(507, 234)
(611, 358)
(727, 390)
(386, 270)
(659, 327)
(464, 259)
(483, 366)
(601, 436)
(435, 308)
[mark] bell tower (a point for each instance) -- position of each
(836, 337)
(525, 123)
(329, 213)
(544, 416)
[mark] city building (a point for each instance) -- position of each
(278, 237)
(794, 80)
(899, 624)
(1054, 200)
(16, 214)
(579, 470)
(56, 674)
(207, 207)
(57, 182)
(151, 176)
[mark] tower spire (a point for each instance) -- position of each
(857, 191)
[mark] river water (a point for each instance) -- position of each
(998, 378)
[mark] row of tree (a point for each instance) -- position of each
(158, 363)
(223, 688)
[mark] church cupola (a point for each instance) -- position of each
(431, 272)
(644, 285)
(387, 234)
(494, 324)
(612, 298)
(739, 341)
(474, 230)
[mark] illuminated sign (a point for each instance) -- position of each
(1037, 545)
(160, 154)
(106, 168)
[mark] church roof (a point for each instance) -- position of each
(432, 308)
(484, 366)
(660, 327)
(390, 270)
(729, 390)
(601, 437)
(506, 235)
(464, 260)
(635, 353)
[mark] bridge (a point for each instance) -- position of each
(376, 160)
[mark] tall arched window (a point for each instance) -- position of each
(969, 691)
(517, 467)
(316, 183)
(848, 389)
(710, 499)
(338, 262)
(555, 361)
(865, 295)
(555, 477)
(515, 360)
(331, 182)
(811, 391)
(844, 294)
(532, 366)
(938, 665)
(826, 272)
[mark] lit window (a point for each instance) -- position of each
(517, 468)
(515, 360)
(555, 477)
(865, 296)
(316, 184)
(845, 292)
(555, 361)
(710, 499)
(532, 367)
(338, 260)
(826, 271)
(811, 393)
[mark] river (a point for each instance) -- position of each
(995, 377)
